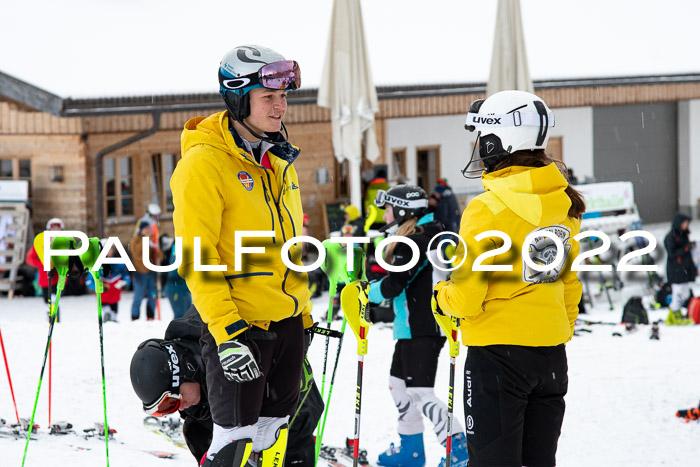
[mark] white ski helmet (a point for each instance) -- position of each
(251, 66)
(54, 221)
(153, 209)
(508, 121)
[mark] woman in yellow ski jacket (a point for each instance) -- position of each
(515, 318)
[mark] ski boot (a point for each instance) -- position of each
(676, 318)
(234, 454)
(274, 455)
(411, 453)
(459, 456)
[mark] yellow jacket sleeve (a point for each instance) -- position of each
(463, 295)
(199, 198)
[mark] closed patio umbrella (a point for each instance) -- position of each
(509, 68)
(348, 91)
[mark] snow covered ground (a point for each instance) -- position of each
(623, 391)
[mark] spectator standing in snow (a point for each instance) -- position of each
(116, 278)
(144, 279)
(32, 259)
(680, 267)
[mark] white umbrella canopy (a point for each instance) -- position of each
(348, 90)
(509, 68)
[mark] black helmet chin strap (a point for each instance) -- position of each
(235, 114)
(264, 136)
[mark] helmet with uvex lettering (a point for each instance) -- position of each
(252, 66)
(405, 201)
(507, 122)
(158, 368)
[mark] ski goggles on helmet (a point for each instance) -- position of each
(166, 404)
(383, 198)
(283, 75)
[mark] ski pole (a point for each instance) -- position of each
(322, 429)
(61, 263)
(449, 326)
(9, 378)
(88, 259)
(355, 302)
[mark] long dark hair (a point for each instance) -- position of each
(540, 159)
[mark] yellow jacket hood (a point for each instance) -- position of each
(218, 190)
(536, 195)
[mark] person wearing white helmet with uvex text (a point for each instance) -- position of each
(237, 174)
(517, 306)
(418, 336)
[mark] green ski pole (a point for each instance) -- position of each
(88, 259)
(345, 277)
(62, 265)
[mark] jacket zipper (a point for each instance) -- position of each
(267, 201)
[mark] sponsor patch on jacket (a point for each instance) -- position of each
(245, 179)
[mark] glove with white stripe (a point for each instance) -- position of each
(238, 359)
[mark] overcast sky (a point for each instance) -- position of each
(90, 48)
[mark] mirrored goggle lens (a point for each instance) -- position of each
(281, 75)
(380, 199)
(166, 404)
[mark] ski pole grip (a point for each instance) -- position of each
(355, 303)
(448, 324)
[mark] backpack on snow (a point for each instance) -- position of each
(634, 312)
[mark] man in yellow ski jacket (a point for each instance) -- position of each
(237, 175)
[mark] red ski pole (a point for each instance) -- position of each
(9, 378)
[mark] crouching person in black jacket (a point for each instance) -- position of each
(168, 376)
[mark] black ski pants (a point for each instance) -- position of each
(275, 393)
(514, 404)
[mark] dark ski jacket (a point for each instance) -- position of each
(185, 332)
(680, 267)
(447, 210)
(411, 290)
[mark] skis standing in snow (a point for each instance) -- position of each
(419, 340)
(515, 317)
(237, 174)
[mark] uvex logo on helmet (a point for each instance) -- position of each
(175, 365)
(486, 120)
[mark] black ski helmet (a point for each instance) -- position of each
(406, 201)
(155, 369)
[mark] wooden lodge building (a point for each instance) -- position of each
(97, 163)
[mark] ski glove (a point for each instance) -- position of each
(238, 360)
